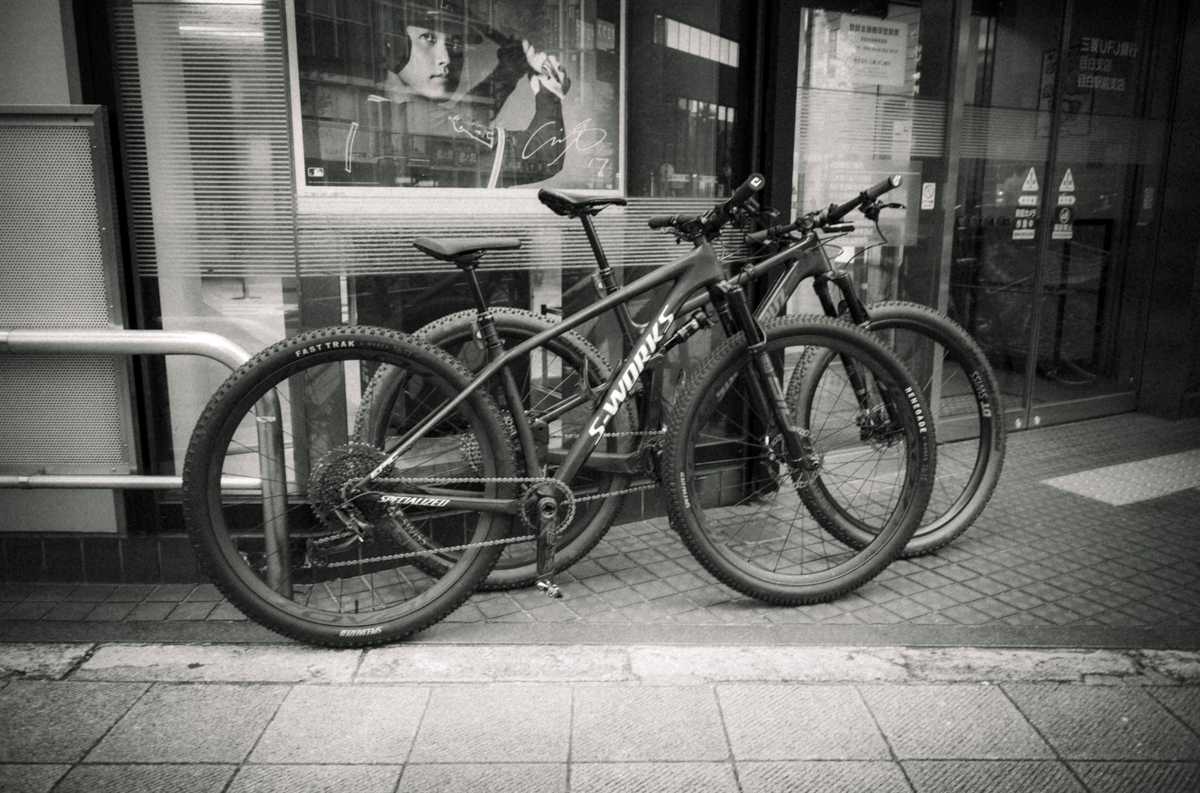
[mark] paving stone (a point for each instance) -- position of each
(16, 592)
(819, 722)
(490, 777)
(191, 610)
(205, 593)
(110, 612)
(226, 611)
(1108, 723)
(213, 723)
(1183, 702)
(151, 612)
(629, 724)
(69, 610)
(956, 776)
(315, 779)
(29, 610)
(30, 778)
(58, 721)
(92, 592)
(357, 725)
(171, 593)
(127, 778)
(822, 775)
(51, 593)
(657, 777)
(131, 593)
(1163, 777)
(497, 722)
(952, 722)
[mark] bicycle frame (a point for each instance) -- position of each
(698, 269)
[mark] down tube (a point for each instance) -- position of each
(627, 374)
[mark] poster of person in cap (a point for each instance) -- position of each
(456, 97)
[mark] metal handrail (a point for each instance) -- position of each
(115, 341)
(272, 481)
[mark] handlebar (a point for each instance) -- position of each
(835, 213)
(711, 221)
(831, 215)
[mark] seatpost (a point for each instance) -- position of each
(468, 265)
(495, 348)
(606, 282)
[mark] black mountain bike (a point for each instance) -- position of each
(338, 529)
(955, 375)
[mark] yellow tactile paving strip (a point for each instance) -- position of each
(1130, 483)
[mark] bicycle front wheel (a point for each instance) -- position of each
(761, 522)
(285, 519)
(966, 407)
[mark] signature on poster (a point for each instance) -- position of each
(582, 136)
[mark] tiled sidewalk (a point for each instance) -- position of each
(600, 719)
(114, 603)
(1040, 557)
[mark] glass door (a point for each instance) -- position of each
(1059, 151)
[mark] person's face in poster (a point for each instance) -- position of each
(427, 72)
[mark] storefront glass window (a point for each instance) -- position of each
(470, 93)
(284, 155)
(690, 88)
(863, 113)
(1062, 150)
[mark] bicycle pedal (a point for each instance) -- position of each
(549, 588)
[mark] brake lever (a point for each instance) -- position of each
(873, 209)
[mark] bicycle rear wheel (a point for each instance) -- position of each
(967, 412)
(759, 522)
(278, 512)
(550, 379)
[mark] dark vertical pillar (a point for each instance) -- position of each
(777, 123)
(1170, 377)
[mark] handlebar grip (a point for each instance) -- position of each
(887, 184)
(836, 213)
(746, 189)
(662, 221)
(773, 231)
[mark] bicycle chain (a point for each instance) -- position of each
(533, 482)
(443, 480)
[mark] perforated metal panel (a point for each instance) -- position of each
(59, 412)
(60, 268)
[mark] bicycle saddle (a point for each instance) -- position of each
(573, 204)
(449, 250)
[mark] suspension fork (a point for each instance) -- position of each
(766, 394)
(859, 316)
